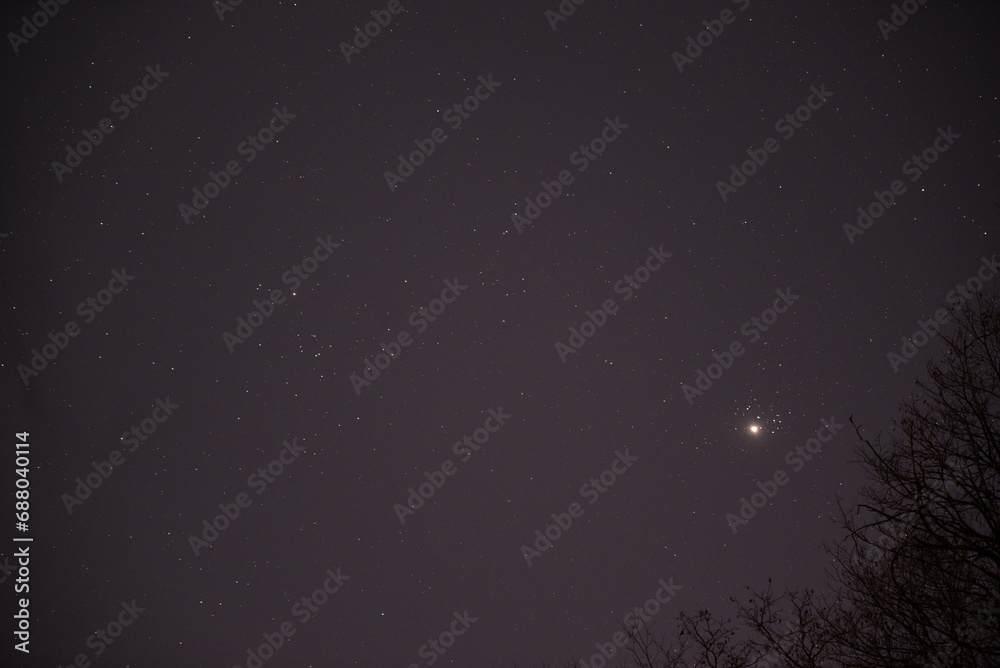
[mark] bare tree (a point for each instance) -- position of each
(922, 557)
(916, 580)
(797, 628)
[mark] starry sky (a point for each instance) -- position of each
(445, 343)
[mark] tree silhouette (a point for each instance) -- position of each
(920, 569)
(916, 578)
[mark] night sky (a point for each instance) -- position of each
(614, 259)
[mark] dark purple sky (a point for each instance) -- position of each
(490, 398)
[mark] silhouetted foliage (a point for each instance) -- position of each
(916, 580)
